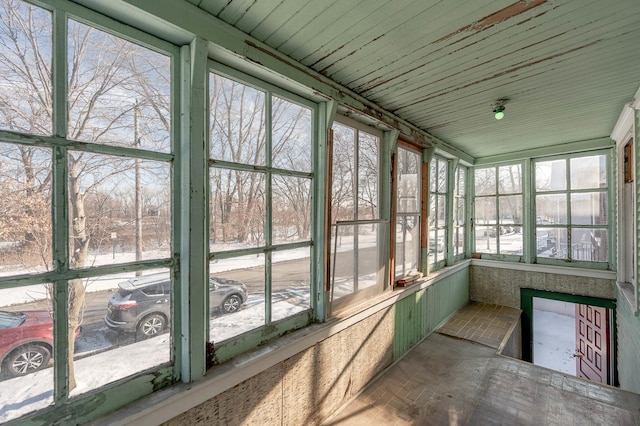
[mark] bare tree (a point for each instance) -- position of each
(102, 76)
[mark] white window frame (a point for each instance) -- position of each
(625, 132)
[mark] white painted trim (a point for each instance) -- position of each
(624, 125)
(636, 100)
(559, 270)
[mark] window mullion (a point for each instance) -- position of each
(60, 221)
(356, 199)
(60, 210)
(192, 324)
(387, 199)
(528, 214)
(450, 200)
(568, 204)
(321, 210)
(59, 71)
(268, 284)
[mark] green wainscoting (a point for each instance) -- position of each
(419, 314)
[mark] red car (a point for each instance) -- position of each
(26, 342)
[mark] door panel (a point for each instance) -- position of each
(592, 341)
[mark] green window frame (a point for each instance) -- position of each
(498, 211)
(360, 232)
(460, 228)
(60, 149)
(438, 222)
(573, 206)
(408, 217)
(278, 173)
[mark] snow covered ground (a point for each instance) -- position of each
(553, 348)
(22, 395)
(554, 341)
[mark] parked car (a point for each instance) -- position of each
(26, 342)
(142, 305)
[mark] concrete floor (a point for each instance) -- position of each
(450, 381)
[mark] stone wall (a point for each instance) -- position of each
(308, 387)
(501, 286)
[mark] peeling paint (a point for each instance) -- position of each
(502, 15)
(500, 74)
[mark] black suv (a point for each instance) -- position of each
(142, 305)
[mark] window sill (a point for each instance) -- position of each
(535, 267)
(165, 404)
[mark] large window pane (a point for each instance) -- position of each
(26, 371)
(25, 44)
(125, 327)
(118, 92)
(291, 282)
(237, 120)
(552, 243)
(485, 210)
(458, 241)
(291, 209)
(589, 208)
(510, 179)
(551, 175)
(369, 262)
(368, 176)
(461, 188)
(442, 211)
(408, 192)
(588, 172)
(356, 262)
(236, 296)
(459, 218)
(119, 209)
(551, 208)
(510, 209)
(485, 181)
(342, 190)
(442, 176)
(437, 245)
(291, 130)
(510, 241)
(486, 239)
(25, 209)
(589, 244)
(237, 209)
(407, 244)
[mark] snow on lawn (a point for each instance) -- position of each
(27, 294)
(554, 338)
(22, 395)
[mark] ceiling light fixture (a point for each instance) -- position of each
(498, 108)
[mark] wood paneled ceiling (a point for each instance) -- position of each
(566, 66)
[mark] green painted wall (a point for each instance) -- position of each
(628, 346)
(422, 312)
